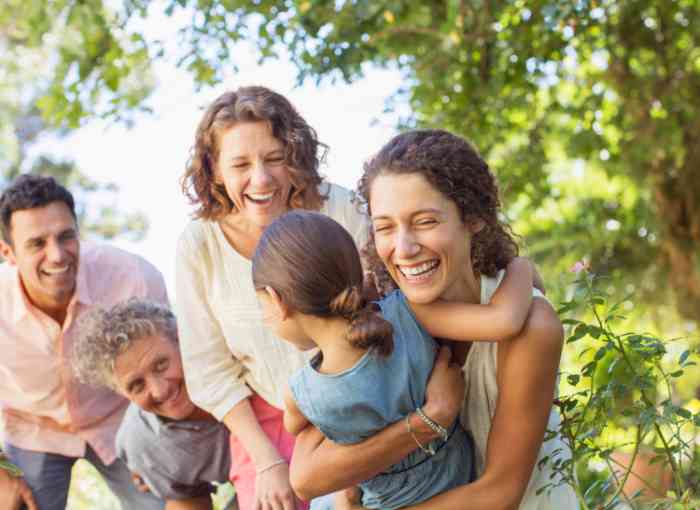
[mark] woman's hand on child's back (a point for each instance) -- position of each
(444, 394)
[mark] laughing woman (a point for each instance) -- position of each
(435, 209)
(254, 158)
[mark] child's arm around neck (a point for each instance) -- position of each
(500, 319)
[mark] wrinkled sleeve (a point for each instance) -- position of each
(214, 377)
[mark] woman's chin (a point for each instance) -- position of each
(420, 295)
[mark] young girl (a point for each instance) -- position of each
(374, 359)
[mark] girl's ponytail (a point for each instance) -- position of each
(367, 327)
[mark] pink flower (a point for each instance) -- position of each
(579, 266)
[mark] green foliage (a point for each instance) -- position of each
(587, 110)
(10, 467)
(22, 124)
(623, 397)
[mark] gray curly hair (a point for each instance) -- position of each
(104, 334)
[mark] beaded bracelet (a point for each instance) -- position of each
(427, 449)
(270, 466)
(435, 427)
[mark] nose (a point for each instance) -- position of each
(159, 390)
(55, 251)
(260, 177)
(406, 244)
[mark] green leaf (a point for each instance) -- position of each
(684, 413)
(11, 468)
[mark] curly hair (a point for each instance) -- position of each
(29, 191)
(454, 168)
(253, 104)
(105, 334)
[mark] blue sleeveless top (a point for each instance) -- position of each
(378, 391)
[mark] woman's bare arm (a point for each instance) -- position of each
(528, 366)
(527, 374)
(320, 466)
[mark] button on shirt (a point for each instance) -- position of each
(44, 408)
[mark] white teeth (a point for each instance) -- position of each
(420, 269)
(56, 270)
(260, 196)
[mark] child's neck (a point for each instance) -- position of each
(329, 335)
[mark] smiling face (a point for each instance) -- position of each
(150, 374)
(420, 237)
(46, 250)
(252, 168)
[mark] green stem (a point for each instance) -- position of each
(677, 480)
(628, 470)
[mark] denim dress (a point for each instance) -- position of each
(378, 391)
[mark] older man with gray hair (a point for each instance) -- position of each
(175, 447)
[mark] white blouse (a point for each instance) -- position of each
(481, 395)
(227, 352)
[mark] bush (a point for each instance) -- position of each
(621, 412)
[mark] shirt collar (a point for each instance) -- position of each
(158, 423)
(82, 290)
(20, 300)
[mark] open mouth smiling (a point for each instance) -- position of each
(419, 272)
(260, 198)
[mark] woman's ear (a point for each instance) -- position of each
(281, 308)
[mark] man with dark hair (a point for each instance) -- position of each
(50, 280)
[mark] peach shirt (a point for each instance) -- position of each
(44, 408)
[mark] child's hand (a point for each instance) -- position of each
(349, 499)
(444, 394)
(537, 280)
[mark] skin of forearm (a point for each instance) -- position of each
(511, 451)
(321, 466)
(502, 318)
(486, 493)
(200, 503)
(242, 423)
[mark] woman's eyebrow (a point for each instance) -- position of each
(427, 211)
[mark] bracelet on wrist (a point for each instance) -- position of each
(434, 426)
(270, 466)
(426, 449)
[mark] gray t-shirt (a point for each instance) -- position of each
(176, 459)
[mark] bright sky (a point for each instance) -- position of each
(148, 160)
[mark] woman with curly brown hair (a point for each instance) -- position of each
(254, 158)
(437, 235)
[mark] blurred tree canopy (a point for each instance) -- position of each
(588, 110)
(28, 54)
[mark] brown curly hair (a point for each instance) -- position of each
(253, 104)
(455, 168)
